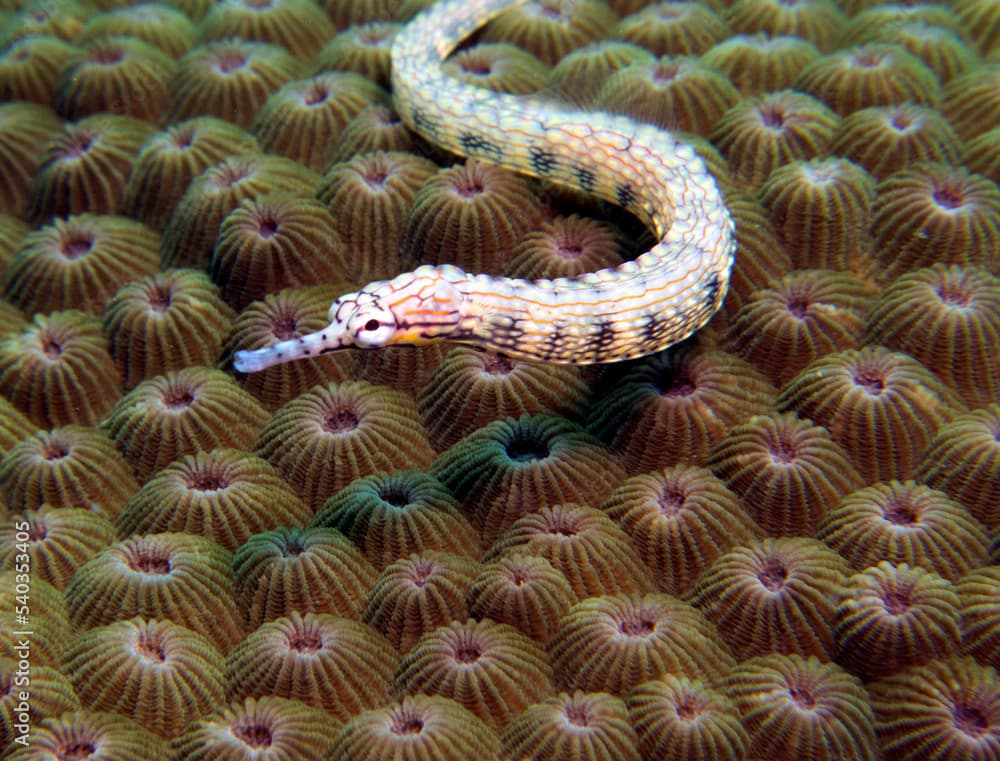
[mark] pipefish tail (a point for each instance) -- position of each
(637, 308)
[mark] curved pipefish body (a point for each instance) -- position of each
(637, 308)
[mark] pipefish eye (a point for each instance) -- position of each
(372, 325)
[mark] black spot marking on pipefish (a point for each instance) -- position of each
(626, 196)
(424, 124)
(712, 292)
(542, 161)
(478, 145)
(586, 179)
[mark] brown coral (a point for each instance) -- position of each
(893, 616)
(178, 577)
(116, 737)
(157, 673)
(333, 434)
(594, 726)
(498, 66)
(774, 596)
(299, 26)
(491, 669)
(550, 29)
(29, 68)
(882, 407)
(67, 467)
(24, 129)
(362, 48)
(787, 472)
(510, 468)
(168, 321)
(179, 413)
(341, 666)
(51, 695)
(905, 523)
(224, 495)
(673, 28)
(818, 21)
(759, 63)
(164, 27)
(418, 594)
(392, 515)
(79, 263)
(305, 570)
(798, 707)
(979, 598)
(675, 406)
(613, 643)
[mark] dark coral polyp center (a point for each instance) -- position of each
(783, 451)
(284, 328)
(526, 449)
(51, 348)
(76, 246)
(407, 724)
(77, 751)
(901, 513)
(949, 197)
(151, 651)
(341, 421)
(898, 601)
(317, 96)
(956, 295)
(267, 226)
(970, 720)
(207, 480)
(664, 73)
(688, 708)
(577, 715)
(108, 56)
(306, 642)
(773, 117)
(676, 385)
(160, 299)
(803, 697)
(396, 495)
(231, 61)
(494, 364)
(637, 625)
(150, 562)
(55, 450)
(468, 653)
(773, 574)
(178, 398)
(253, 735)
(872, 381)
(798, 306)
(671, 501)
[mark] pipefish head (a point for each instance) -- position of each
(413, 309)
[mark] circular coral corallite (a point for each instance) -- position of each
(875, 74)
(613, 643)
(418, 594)
(363, 49)
(821, 211)
(943, 50)
(763, 132)
(581, 542)
(963, 461)
(675, 406)
(334, 434)
(118, 75)
(230, 79)
(372, 195)
(60, 540)
(169, 321)
(759, 63)
(885, 139)
(936, 213)
(163, 27)
(335, 664)
(580, 75)
(972, 101)
(979, 596)
(83, 168)
(278, 317)
(345, 13)
(787, 472)
(392, 515)
(224, 495)
(498, 66)
(472, 215)
(299, 26)
(525, 591)
(594, 726)
(881, 406)
(279, 241)
(193, 228)
(774, 596)
(265, 729)
(179, 413)
(14, 426)
(416, 728)
(471, 388)
(680, 519)
(677, 718)
(176, 577)
(304, 118)
(893, 616)
(375, 128)
(678, 94)
(798, 707)
(305, 570)
(491, 669)
(869, 24)
(549, 29)
(67, 467)
(115, 737)
(941, 711)
(51, 695)
(905, 523)
(24, 129)
(38, 18)
(171, 159)
(566, 246)
(79, 263)
(510, 468)
(29, 68)
(948, 318)
(156, 673)
(802, 317)
(818, 21)
(982, 154)
(673, 28)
